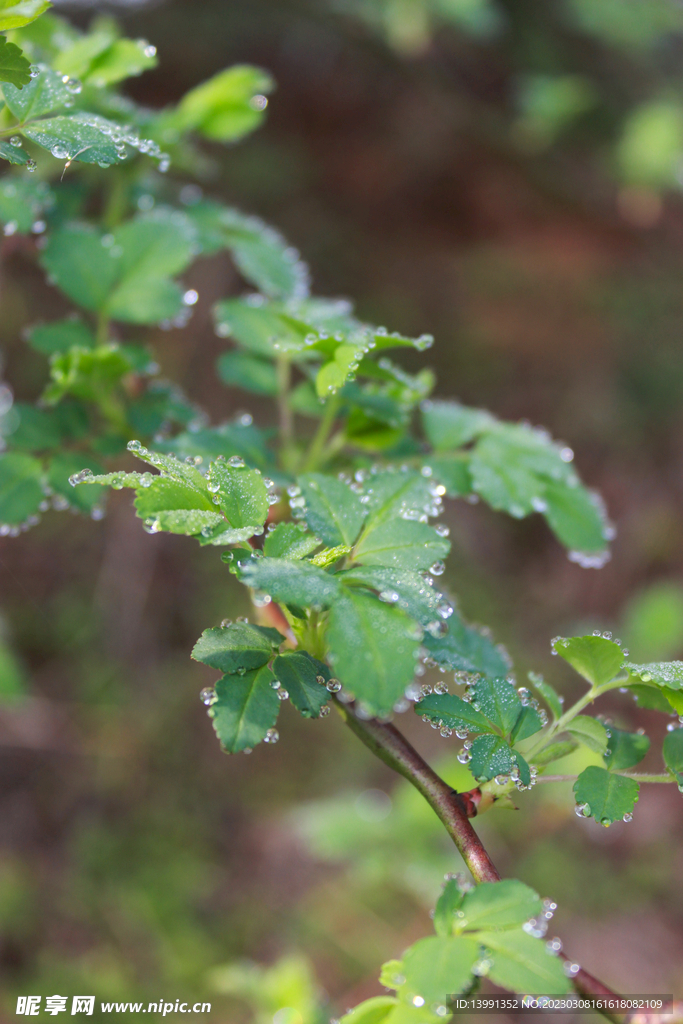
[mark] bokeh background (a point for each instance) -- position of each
(505, 174)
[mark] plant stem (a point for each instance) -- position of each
(627, 775)
(454, 810)
(317, 446)
(387, 743)
(572, 712)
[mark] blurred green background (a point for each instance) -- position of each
(505, 174)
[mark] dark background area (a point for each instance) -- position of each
(423, 172)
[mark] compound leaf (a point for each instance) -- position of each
(372, 649)
(238, 369)
(237, 647)
(608, 796)
(246, 707)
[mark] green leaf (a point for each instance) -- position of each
(17, 13)
(227, 106)
(260, 252)
(258, 326)
(22, 202)
(436, 968)
(372, 649)
(80, 136)
(41, 95)
(519, 470)
(401, 544)
(297, 583)
(498, 905)
(291, 541)
(124, 58)
(596, 659)
(371, 1011)
(548, 694)
(528, 723)
(445, 911)
(41, 429)
(332, 510)
(86, 373)
(14, 67)
(647, 696)
(521, 963)
(246, 707)
(590, 732)
(333, 374)
(238, 369)
(672, 752)
(21, 491)
(241, 495)
(390, 494)
(126, 273)
(466, 649)
(451, 425)
(577, 518)
(298, 673)
(554, 752)
(626, 749)
(407, 590)
(499, 701)
(667, 674)
(13, 154)
(491, 756)
(453, 473)
(178, 505)
(84, 498)
(608, 796)
(453, 712)
(60, 336)
(237, 647)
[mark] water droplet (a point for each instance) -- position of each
(272, 736)
(258, 102)
(190, 297)
(208, 696)
(236, 461)
(10, 228)
(15, 141)
(627, 817)
(31, 165)
(464, 757)
(333, 685)
(283, 694)
(418, 1001)
(571, 969)
(60, 152)
(325, 710)
(437, 569)
(607, 635)
(582, 810)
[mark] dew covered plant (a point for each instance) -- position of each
(333, 524)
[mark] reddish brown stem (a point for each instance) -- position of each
(454, 810)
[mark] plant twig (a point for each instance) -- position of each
(454, 810)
